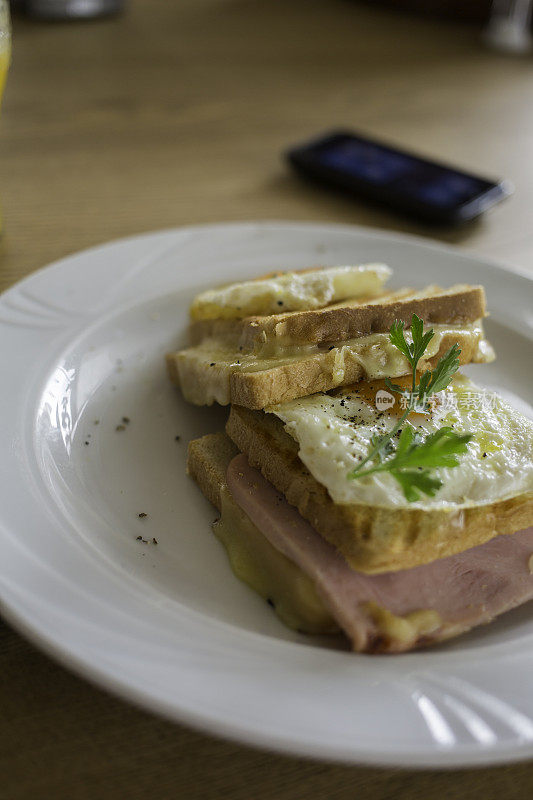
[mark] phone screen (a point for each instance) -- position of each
(408, 182)
(406, 174)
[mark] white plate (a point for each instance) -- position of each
(167, 625)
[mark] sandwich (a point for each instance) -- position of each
(397, 510)
(289, 335)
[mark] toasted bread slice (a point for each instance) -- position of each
(207, 462)
(371, 539)
(276, 333)
(211, 373)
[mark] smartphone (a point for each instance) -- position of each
(403, 181)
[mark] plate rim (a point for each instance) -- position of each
(391, 235)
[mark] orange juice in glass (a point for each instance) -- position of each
(5, 52)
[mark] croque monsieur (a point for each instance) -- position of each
(397, 512)
(319, 338)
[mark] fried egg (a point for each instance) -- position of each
(335, 432)
(290, 291)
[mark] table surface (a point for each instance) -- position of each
(176, 113)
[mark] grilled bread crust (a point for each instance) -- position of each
(207, 463)
(350, 319)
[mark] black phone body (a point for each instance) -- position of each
(403, 181)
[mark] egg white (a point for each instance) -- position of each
(334, 433)
(290, 291)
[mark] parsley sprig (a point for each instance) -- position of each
(413, 458)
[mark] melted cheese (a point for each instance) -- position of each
(335, 432)
(290, 291)
(271, 574)
(404, 630)
(216, 359)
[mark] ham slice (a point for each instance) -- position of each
(393, 611)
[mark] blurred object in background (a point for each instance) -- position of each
(471, 10)
(509, 27)
(70, 9)
(5, 53)
(5, 44)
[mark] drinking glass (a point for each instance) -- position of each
(5, 53)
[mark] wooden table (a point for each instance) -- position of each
(177, 113)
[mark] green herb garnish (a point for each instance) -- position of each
(414, 457)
